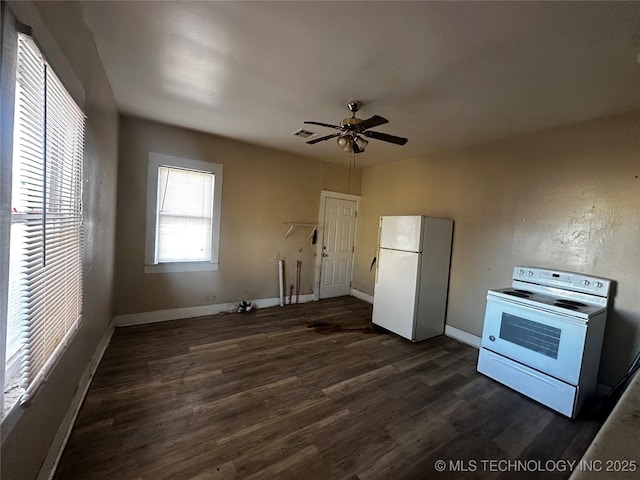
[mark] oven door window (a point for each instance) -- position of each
(540, 339)
(531, 335)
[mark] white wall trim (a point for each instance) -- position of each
(129, 319)
(155, 161)
(449, 331)
(47, 471)
(461, 335)
(181, 267)
(362, 296)
(51, 461)
(324, 194)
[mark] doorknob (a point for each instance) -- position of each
(325, 254)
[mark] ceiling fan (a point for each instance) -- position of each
(351, 131)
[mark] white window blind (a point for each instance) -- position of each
(185, 215)
(184, 201)
(45, 298)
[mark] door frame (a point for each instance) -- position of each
(324, 194)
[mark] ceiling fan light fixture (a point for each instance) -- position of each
(362, 143)
(345, 143)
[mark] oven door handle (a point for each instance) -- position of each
(562, 317)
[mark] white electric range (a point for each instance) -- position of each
(543, 336)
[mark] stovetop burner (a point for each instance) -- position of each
(573, 303)
(567, 305)
(519, 293)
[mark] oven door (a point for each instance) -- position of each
(549, 342)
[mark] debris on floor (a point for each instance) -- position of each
(244, 306)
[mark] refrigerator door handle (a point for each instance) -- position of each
(377, 264)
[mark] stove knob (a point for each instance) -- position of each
(530, 273)
(520, 272)
(598, 284)
(585, 283)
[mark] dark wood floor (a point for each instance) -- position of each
(309, 391)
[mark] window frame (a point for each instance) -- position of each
(155, 161)
(56, 163)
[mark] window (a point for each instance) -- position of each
(183, 214)
(46, 239)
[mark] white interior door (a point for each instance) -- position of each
(337, 247)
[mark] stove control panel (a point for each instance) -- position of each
(561, 279)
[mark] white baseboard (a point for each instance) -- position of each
(449, 331)
(362, 296)
(50, 463)
(130, 319)
(302, 299)
(464, 337)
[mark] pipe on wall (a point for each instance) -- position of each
(298, 271)
(281, 281)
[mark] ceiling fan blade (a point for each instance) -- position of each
(385, 137)
(321, 139)
(374, 121)
(337, 127)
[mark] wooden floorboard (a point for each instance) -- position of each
(309, 391)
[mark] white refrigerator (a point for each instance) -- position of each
(412, 275)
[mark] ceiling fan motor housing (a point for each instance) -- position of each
(350, 122)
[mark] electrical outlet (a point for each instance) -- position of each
(209, 297)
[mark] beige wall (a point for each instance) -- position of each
(262, 188)
(29, 439)
(566, 198)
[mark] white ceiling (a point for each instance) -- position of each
(444, 74)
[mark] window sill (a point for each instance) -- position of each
(181, 267)
(10, 415)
